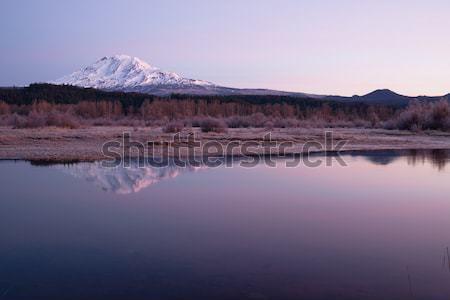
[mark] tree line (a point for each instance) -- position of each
(93, 103)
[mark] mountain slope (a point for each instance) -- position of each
(131, 74)
(385, 97)
(123, 72)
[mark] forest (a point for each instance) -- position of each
(68, 106)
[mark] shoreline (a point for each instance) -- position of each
(59, 145)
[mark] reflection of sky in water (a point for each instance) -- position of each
(352, 232)
(134, 178)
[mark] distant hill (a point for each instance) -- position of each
(385, 97)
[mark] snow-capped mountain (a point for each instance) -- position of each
(127, 73)
(131, 74)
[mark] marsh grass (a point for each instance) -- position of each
(417, 116)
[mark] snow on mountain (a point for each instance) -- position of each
(131, 74)
(123, 72)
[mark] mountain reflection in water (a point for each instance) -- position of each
(123, 180)
(134, 178)
(377, 228)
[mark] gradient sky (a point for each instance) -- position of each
(322, 46)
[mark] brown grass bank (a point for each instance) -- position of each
(85, 144)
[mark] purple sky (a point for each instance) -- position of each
(325, 47)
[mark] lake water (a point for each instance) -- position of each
(377, 228)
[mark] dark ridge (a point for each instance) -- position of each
(385, 97)
(383, 93)
(66, 94)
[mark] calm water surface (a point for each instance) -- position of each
(376, 229)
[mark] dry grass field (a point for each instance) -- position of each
(85, 144)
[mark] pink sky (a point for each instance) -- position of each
(324, 47)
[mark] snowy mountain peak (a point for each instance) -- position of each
(128, 60)
(131, 74)
(124, 72)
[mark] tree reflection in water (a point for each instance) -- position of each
(132, 179)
